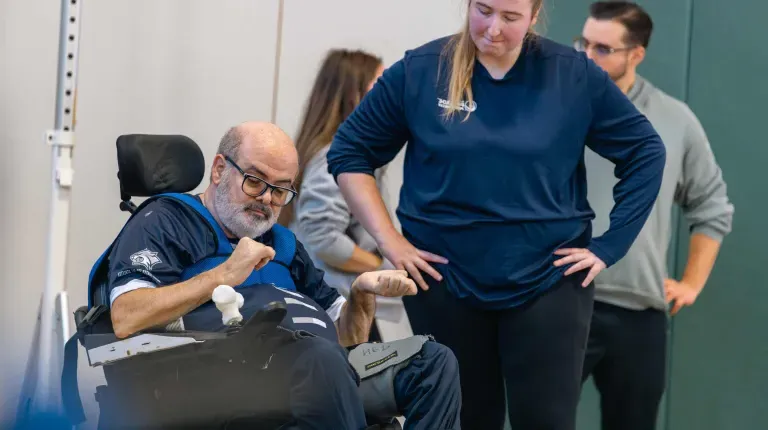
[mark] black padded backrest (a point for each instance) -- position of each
(153, 164)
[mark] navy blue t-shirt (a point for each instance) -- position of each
(167, 236)
(498, 193)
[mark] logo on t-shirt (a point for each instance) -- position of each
(463, 105)
(146, 258)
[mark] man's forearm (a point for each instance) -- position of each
(702, 254)
(356, 317)
(151, 307)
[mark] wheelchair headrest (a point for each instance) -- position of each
(153, 164)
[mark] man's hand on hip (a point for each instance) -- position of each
(681, 293)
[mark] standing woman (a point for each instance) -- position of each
(494, 207)
(320, 218)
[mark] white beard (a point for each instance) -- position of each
(240, 220)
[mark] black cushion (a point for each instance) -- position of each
(153, 164)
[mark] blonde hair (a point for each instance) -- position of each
(462, 51)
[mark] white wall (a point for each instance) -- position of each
(386, 29)
(192, 67)
(28, 48)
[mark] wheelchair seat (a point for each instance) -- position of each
(149, 165)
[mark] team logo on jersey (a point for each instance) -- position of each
(463, 105)
(146, 258)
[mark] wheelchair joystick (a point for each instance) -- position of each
(229, 302)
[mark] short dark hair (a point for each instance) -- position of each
(634, 18)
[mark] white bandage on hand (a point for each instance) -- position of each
(229, 302)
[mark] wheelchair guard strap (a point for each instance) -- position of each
(377, 364)
(70, 393)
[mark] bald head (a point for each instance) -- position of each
(255, 138)
(261, 149)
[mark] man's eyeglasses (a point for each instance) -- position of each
(582, 44)
(255, 187)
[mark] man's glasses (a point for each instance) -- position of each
(601, 50)
(255, 187)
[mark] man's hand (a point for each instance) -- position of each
(387, 283)
(682, 293)
(249, 255)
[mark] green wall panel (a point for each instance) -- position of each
(713, 56)
(720, 349)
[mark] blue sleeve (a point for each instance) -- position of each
(309, 279)
(375, 131)
(623, 135)
(153, 249)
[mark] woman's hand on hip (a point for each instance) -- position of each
(581, 258)
(405, 256)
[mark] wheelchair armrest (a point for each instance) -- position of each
(107, 348)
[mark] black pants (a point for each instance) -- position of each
(538, 349)
(307, 384)
(626, 355)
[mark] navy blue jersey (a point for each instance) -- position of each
(498, 193)
(167, 236)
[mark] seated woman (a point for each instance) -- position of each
(336, 242)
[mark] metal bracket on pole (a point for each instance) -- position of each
(60, 138)
(65, 140)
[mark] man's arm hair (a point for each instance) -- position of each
(150, 307)
(354, 324)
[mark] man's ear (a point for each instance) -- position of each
(217, 169)
(637, 55)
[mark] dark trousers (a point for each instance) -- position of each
(307, 384)
(537, 349)
(626, 356)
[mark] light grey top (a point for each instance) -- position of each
(692, 179)
(329, 232)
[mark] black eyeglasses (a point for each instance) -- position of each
(255, 187)
(582, 44)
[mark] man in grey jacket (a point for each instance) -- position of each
(626, 352)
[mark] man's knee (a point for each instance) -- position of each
(434, 368)
(428, 390)
(440, 358)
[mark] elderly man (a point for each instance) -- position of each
(626, 353)
(173, 253)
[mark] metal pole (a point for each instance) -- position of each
(61, 141)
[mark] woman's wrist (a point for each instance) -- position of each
(386, 265)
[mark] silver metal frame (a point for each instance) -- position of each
(53, 319)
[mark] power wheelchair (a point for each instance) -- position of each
(149, 165)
